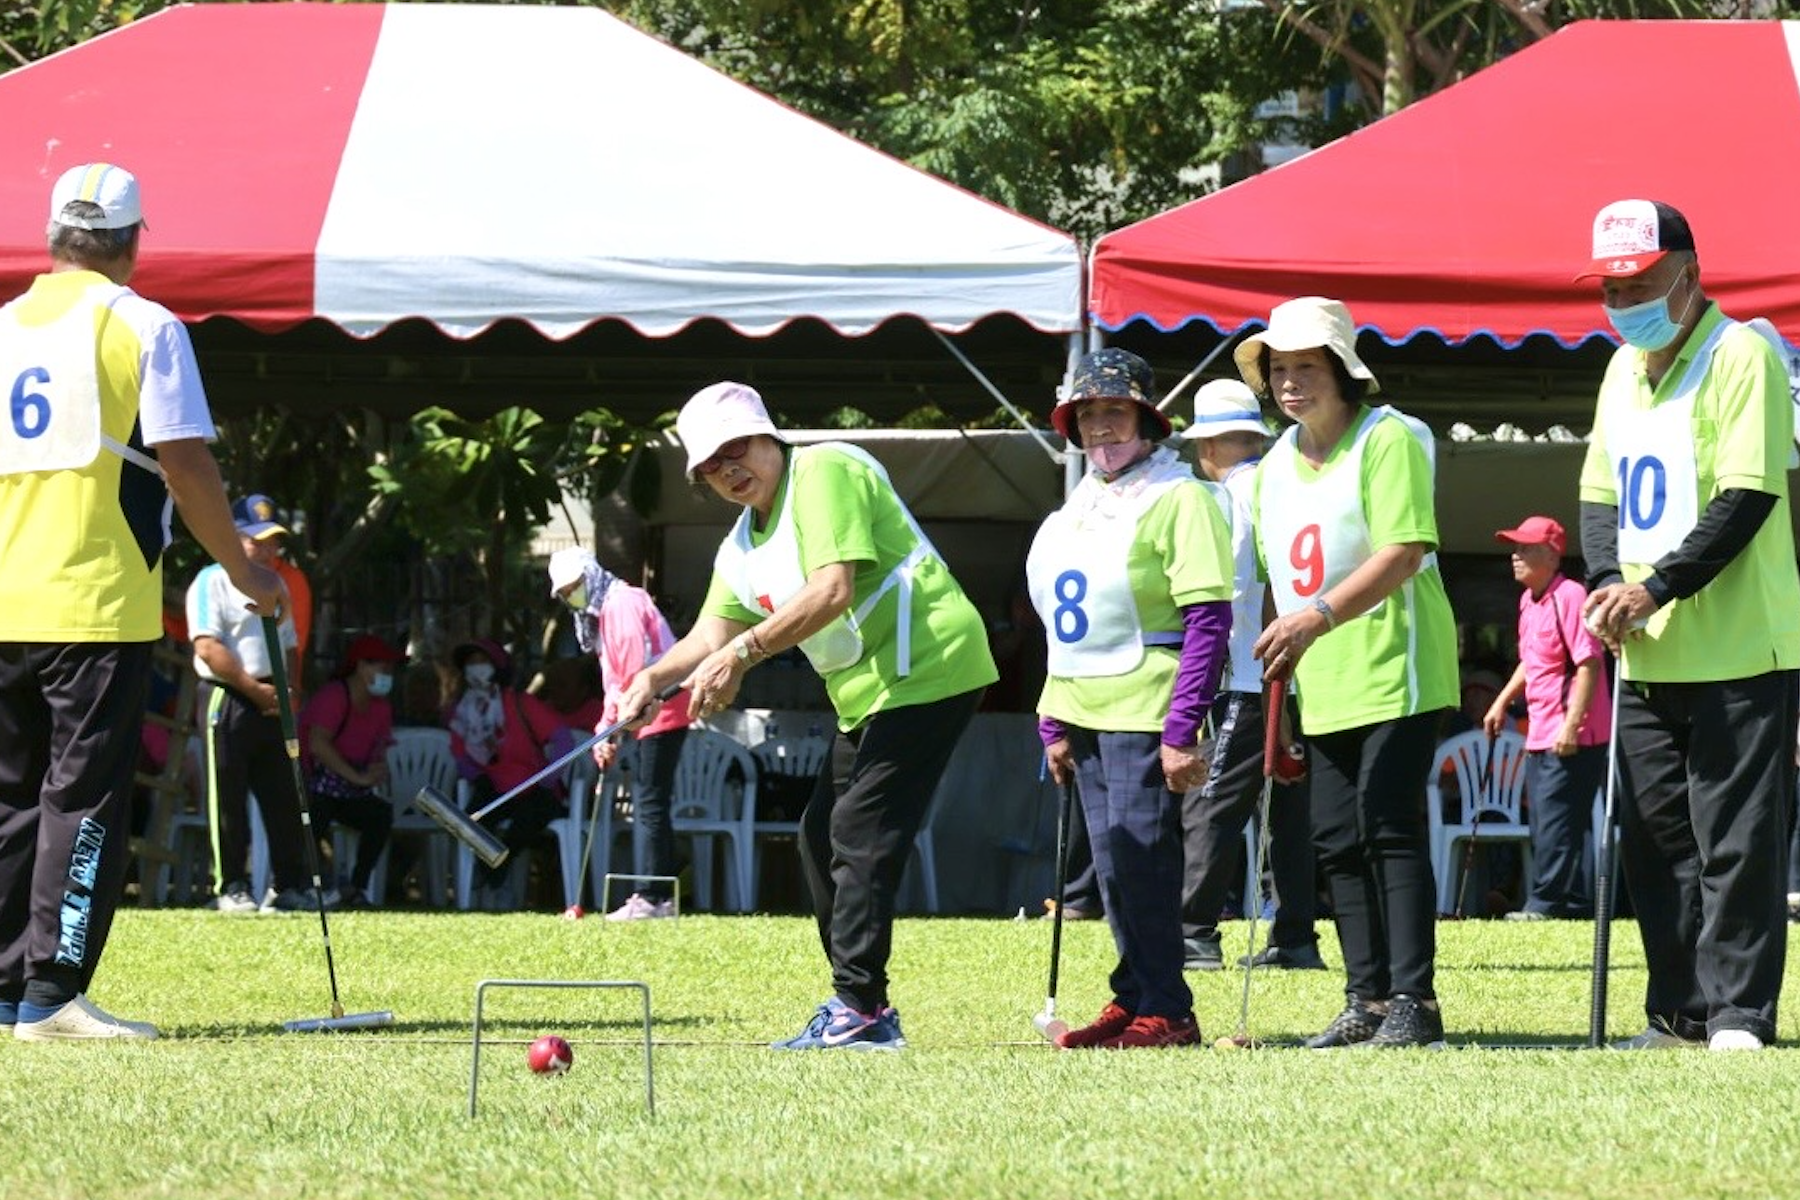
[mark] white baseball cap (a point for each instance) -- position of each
(569, 565)
(114, 189)
(1631, 236)
(1306, 323)
(1225, 406)
(718, 414)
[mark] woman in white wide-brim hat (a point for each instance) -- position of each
(826, 557)
(1132, 579)
(1347, 532)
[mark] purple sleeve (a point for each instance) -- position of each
(1051, 731)
(1207, 634)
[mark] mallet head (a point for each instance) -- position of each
(459, 825)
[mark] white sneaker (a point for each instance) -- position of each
(638, 908)
(1734, 1039)
(81, 1020)
(236, 901)
(1656, 1039)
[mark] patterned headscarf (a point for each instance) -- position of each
(598, 580)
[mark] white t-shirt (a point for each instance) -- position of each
(217, 609)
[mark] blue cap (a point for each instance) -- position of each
(255, 517)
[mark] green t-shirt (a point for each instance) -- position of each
(1180, 556)
(1746, 622)
(844, 511)
(1399, 658)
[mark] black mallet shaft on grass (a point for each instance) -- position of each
(310, 843)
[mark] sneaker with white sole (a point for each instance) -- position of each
(236, 901)
(80, 1020)
(290, 900)
(1657, 1038)
(641, 908)
(1734, 1039)
(837, 1026)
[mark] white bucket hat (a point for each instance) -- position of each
(1308, 323)
(1225, 406)
(569, 565)
(718, 414)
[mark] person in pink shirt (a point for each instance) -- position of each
(622, 627)
(1562, 673)
(499, 737)
(345, 730)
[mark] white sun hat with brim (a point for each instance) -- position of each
(1308, 323)
(718, 414)
(569, 566)
(1225, 406)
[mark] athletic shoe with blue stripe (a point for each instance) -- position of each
(837, 1026)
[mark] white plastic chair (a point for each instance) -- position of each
(419, 757)
(569, 831)
(707, 803)
(794, 757)
(1490, 778)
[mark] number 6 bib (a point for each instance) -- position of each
(52, 394)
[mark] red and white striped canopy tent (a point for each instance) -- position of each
(369, 163)
(1469, 213)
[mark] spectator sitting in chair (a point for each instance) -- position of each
(499, 736)
(345, 731)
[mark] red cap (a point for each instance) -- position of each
(1536, 531)
(369, 648)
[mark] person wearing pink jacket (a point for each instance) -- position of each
(500, 737)
(622, 627)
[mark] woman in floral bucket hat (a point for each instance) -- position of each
(1133, 579)
(1346, 533)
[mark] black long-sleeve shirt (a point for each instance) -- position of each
(1725, 527)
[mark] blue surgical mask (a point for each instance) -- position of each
(479, 675)
(381, 684)
(1647, 326)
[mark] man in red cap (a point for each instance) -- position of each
(1688, 537)
(1562, 675)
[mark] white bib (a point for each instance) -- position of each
(1314, 531)
(51, 389)
(1654, 469)
(767, 576)
(1076, 571)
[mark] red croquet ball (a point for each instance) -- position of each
(550, 1056)
(573, 913)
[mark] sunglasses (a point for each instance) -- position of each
(731, 451)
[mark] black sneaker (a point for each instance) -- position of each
(1355, 1025)
(1409, 1025)
(1202, 954)
(1287, 958)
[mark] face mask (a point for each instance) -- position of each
(1648, 326)
(479, 674)
(381, 685)
(577, 597)
(1116, 457)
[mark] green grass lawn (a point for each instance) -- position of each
(227, 1105)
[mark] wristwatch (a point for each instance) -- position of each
(749, 650)
(1324, 610)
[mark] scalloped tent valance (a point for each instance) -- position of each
(1469, 213)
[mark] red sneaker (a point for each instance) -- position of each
(1111, 1022)
(1146, 1032)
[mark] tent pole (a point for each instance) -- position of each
(1024, 421)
